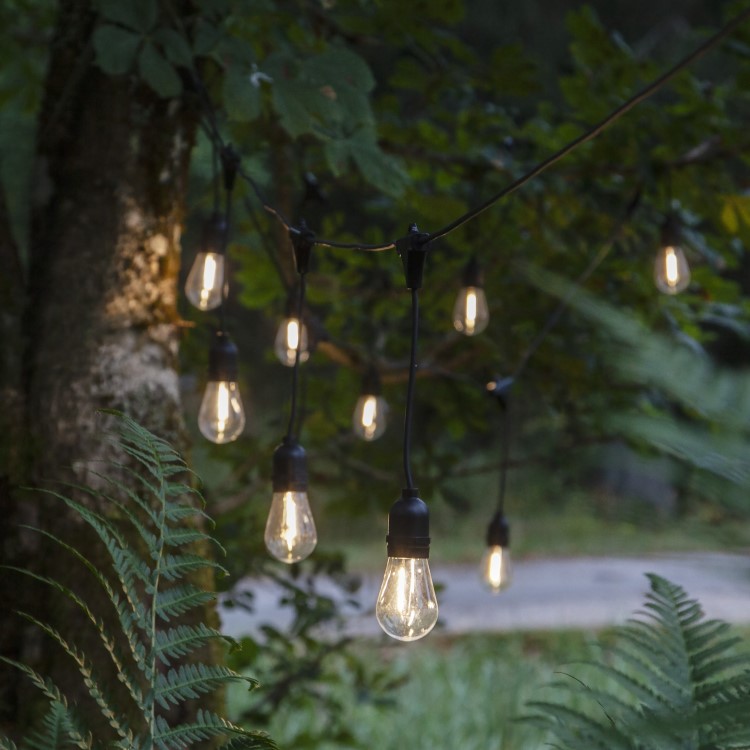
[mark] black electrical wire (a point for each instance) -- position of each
(410, 389)
(295, 369)
(643, 94)
(504, 456)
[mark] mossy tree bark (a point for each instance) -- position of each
(95, 325)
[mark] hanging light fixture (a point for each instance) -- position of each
(371, 411)
(470, 313)
(495, 568)
(671, 269)
(221, 418)
(291, 336)
(204, 286)
(496, 565)
(290, 534)
(406, 607)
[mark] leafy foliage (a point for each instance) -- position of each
(677, 683)
(151, 564)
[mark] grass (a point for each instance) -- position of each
(450, 693)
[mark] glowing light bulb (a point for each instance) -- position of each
(204, 286)
(221, 418)
(290, 530)
(671, 270)
(290, 336)
(407, 607)
(496, 568)
(470, 312)
(371, 411)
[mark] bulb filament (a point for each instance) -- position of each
(672, 271)
(471, 310)
(292, 335)
(289, 521)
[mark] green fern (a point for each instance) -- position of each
(676, 683)
(147, 537)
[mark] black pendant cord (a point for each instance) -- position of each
(295, 370)
(410, 389)
(504, 458)
(230, 163)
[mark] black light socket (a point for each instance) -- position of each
(223, 359)
(671, 231)
(289, 472)
(498, 532)
(303, 241)
(371, 383)
(499, 388)
(214, 234)
(412, 250)
(409, 527)
(472, 274)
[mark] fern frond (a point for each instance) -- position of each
(54, 733)
(206, 726)
(77, 735)
(181, 599)
(86, 671)
(192, 681)
(183, 640)
(6, 744)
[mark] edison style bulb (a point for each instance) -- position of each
(407, 607)
(290, 530)
(671, 270)
(205, 282)
(470, 313)
(290, 336)
(369, 419)
(496, 568)
(221, 418)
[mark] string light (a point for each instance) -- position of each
(204, 286)
(495, 567)
(406, 607)
(371, 411)
(292, 337)
(290, 534)
(221, 417)
(470, 312)
(671, 270)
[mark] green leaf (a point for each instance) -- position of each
(379, 169)
(241, 96)
(140, 15)
(115, 49)
(175, 47)
(158, 73)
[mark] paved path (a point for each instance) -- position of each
(545, 594)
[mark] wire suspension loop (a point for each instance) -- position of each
(410, 389)
(295, 370)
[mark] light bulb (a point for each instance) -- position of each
(369, 419)
(290, 336)
(470, 313)
(221, 417)
(204, 286)
(496, 568)
(671, 270)
(407, 607)
(205, 281)
(290, 530)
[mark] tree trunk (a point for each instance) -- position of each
(100, 318)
